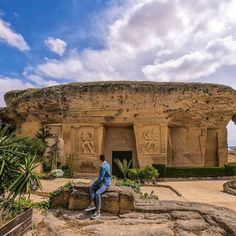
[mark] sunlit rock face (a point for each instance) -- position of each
(178, 124)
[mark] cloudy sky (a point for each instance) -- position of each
(51, 42)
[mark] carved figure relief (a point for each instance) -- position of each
(151, 140)
(87, 139)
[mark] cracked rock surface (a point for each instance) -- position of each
(150, 218)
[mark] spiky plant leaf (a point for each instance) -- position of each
(123, 166)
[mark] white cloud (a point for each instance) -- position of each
(196, 64)
(60, 69)
(12, 38)
(40, 82)
(8, 83)
(57, 46)
(161, 40)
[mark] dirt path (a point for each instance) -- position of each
(197, 191)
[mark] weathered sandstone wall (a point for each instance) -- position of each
(179, 124)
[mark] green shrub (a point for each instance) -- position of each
(129, 183)
(67, 187)
(67, 171)
(134, 174)
(16, 207)
(161, 168)
(25, 203)
(149, 196)
(34, 146)
(185, 172)
(230, 169)
(148, 173)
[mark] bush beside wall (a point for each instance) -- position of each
(230, 170)
(161, 169)
(185, 172)
(175, 172)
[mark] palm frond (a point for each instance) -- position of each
(123, 166)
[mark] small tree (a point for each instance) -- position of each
(43, 134)
(123, 166)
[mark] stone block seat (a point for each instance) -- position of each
(115, 200)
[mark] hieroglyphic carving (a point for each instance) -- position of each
(122, 136)
(151, 140)
(87, 142)
(86, 139)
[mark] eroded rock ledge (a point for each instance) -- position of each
(190, 101)
(132, 216)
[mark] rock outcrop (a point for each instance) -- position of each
(177, 124)
(159, 218)
(115, 200)
(230, 187)
(177, 102)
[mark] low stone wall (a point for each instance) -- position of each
(230, 187)
(115, 200)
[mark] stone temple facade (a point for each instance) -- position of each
(178, 124)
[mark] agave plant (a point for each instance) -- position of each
(27, 180)
(16, 166)
(10, 154)
(123, 166)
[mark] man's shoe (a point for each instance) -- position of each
(91, 207)
(96, 215)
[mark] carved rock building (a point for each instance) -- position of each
(178, 124)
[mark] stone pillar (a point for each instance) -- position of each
(66, 134)
(186, 146)
(151, 143)
(196, 139)
(222, 146)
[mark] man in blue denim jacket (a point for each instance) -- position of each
(99, 187)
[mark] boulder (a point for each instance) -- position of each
(230, 187)
(115, 200)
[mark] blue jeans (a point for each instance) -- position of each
(95, 193)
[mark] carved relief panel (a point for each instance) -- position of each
(86, 140)
(151, 140)
(122, 137)
(148, 138)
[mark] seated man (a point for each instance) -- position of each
(99, 187)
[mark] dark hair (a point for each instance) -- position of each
(102, 157)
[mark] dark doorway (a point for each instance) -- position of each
(121, 155)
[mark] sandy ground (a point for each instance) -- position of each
(163, 193)
(52, 185)
(205, 191)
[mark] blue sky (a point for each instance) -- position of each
(50, 42)
(69, 20)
